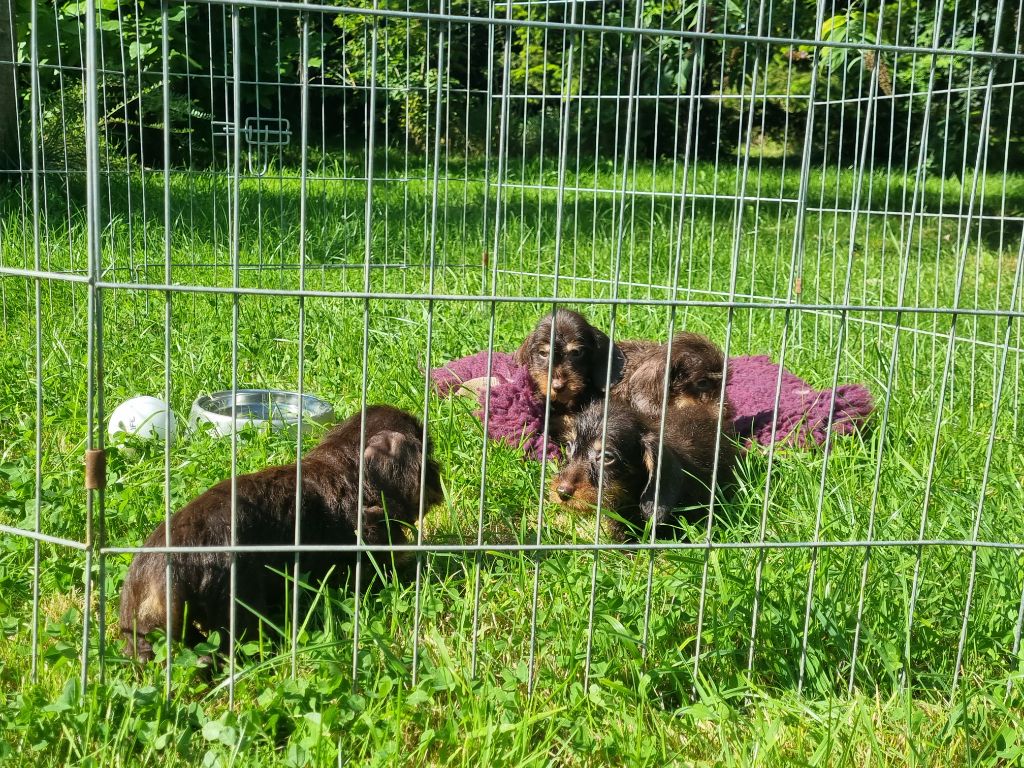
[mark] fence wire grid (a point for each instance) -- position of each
(214, 195)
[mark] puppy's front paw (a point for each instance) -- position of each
(373, 523)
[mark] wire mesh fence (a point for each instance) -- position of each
(218, 195)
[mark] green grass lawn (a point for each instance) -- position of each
(470, 704)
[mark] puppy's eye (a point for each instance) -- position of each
(704, 385)
(542, 353)
(576, 353)
(609, 459)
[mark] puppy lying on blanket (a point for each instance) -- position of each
(695, 369)
(265, 514)
(567, 360)
(804, 416)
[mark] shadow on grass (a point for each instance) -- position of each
(201, 204)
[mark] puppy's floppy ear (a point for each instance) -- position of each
(522, 355)
(600, 344)
(541, 332)
(669, 488)
(389, 455)
(649, 447)
(383, 446)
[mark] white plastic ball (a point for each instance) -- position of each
(144, 416)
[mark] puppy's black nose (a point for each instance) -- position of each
(564, 491)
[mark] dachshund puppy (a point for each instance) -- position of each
(696, 367)
(265, 514)
(578, 360)
(628, 451)
(690, 437)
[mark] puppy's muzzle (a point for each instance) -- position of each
(568, 484)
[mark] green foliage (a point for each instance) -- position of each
(401, 59)
(129, 40)
(950, 88)
(600, 66)
(201, 63)
(409, 67)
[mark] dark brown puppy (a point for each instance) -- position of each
(628, 451)
(696, 367)
(690, 436)
(578, 361)
(265, 514)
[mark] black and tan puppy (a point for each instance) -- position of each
(628, 451)
(265, 515)
(577, 355)
(696, 367)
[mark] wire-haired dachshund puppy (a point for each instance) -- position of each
(696, 367)
(265, 515)
(577, 354)
(628, 451)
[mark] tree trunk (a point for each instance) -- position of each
(9, 141)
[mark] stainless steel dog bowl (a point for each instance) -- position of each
(271, 408)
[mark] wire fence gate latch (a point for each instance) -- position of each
(261, 133)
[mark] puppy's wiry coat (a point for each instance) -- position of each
(696, 367)
(266, 515)
(633, 485)
(577, 357)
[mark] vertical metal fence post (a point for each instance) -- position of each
(234, 140)
(494, 258)
(168, 315)
(34, 140)
(301, 356)
(94, 390)
(442, 44)
(371, 117)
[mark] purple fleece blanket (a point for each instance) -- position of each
(517, 412)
